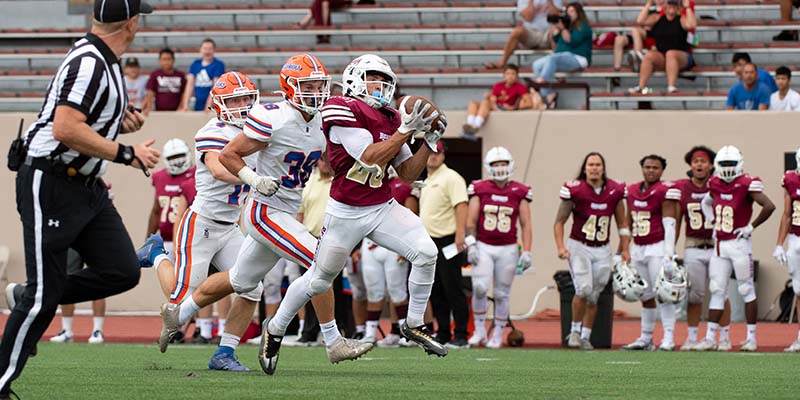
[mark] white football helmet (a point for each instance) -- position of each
(627, 283)
(729, 163)
(354, 80)
(176, 156)
(671, 287)
(498, 173)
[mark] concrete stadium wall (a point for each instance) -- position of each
(548, 147)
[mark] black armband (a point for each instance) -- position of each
(125, 154)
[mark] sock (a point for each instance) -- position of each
(478, 121)
(711, 331)
(471, 119)
(420, 282)
(723, 332)
(668, 321)
(159, 259)
(205, 325)
(221, 326)
(229, 340)
(372, 329)
(188, 309)
(497, 333)
(648, 323)
(395, 328)
(480, 324)
(751, 332)
(295, 299)
(576, 327)
(692, 334)
(330, 332)
(66, 324)
(400, 323)
(586, 333)
(361, 328)
(300, 325)
(97, 323)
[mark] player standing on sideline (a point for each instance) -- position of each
(651, 216)
(208, 232)
(167, 181)
(592, 199)
(790, 226)
(494, 206)
(729, 203)
(364, 136)
(699, 244)
(287, 138)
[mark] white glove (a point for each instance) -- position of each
(415, 121)
(667, 264)
(524, 262)
(780, 254)
(472, 255)
(744, 233)
(265, 185)
(432, 137)
(616, 260)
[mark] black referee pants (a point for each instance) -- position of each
(447, 294)
(58, 214)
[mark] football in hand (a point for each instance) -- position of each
(409, 107)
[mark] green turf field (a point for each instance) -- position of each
(120, 371)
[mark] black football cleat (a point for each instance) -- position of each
(269, 349)
(423, 338)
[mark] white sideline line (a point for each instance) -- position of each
(623, 362)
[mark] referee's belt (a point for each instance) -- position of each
(59, 169)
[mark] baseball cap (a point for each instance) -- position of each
(119, 10)
(132, 62)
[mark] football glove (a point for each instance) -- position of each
(432, 136)
(265, 185)
(524, 262)
(415, 121)
(745, 232)
(780, 254)
(472, 255)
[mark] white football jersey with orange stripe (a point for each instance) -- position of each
(295, 146)
(215, 199)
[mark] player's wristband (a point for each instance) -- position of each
(125, 154)
(624, 232)
(247, 175)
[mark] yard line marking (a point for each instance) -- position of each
(485, 359)
(623, 362)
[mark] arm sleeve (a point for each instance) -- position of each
(669, 235)
(83, 80)
(707, 205)
(404, 154)
(354, 140)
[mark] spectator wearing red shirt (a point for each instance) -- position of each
(507, 95)
(166, 85)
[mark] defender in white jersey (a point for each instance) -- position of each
(208, 233)
(287, 137)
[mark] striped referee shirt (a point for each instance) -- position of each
(90, 81)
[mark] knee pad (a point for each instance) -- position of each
(716, 288)
(502, 292)
(240, 286)
(479, 289)
(585, 292)
(696, 295)
(747, 290)
(375, 297)
(398, 294)
(255, 294)
(424, 253)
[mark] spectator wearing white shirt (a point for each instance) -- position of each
(135, 84)
(785, 99)
(531, 31)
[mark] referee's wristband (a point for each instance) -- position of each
(125, 154)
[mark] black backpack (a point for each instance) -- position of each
(785, 301)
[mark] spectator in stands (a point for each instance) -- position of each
(672, 52)
(507, 95)
(320, 13)
(165, 86)
(573, 50)
(786, 16)
(741, 59)
(202, 74)
(532, 30)
(135, 84)
(785, 98)
(748, 94)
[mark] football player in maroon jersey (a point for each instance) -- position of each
(495, 205)
(790, 226)
(592, 199)
(729, 203)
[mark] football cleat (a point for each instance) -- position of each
(221, 361)
(586, 345)
(574, 340)
(97, 337)
(422, 337)
(368, 339)
(457, 343)
(689, 345)
(62, 337)
(705, 345)
(495, 342)
(255, 340)
(169, 324)
(477, 339)
(391, 340)
(269, 349)
(749, 346)
(347, 349)
(640, 344)
(13, 296)
(724, 345)
(794, 348)
(152, 247)
(667, 346)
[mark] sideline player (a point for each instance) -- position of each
(699, 244)
(494, 206)
(729, 203)
(651, 216)
(592, 199)
(287, 138)
(208, 232)
(364, 136)
(167, 183)
(790, 226)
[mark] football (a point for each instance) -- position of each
(409, 106)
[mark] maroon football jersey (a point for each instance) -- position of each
(791, 182)
(352, 185)
(733, 206)
(401, 191)
(189, 190)
(592, 212)
(645, 207)
(690, 196)
(168, 189)
(499, 210)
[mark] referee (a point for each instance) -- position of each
(60, 196)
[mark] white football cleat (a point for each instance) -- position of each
(724, 345)
(347, 349)
(369, 339)
(640, 344)
(574, 340)
(749, 346)
(477, 339)
(794, 348)
(689, 345)
(391, 340)
(406, 343)
(705, 345)
(495, 342)
(170, 314)
(586, 345)
(255, 340)
(667, 346)
(62, 337)
(97, 337)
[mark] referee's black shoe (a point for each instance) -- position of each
(421, 336)
(13, 296)
(269, 349)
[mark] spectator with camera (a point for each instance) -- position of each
(785, 98)
(749, 93)
(672, 52)
(507, 95)
(572, 37)
(531, 31)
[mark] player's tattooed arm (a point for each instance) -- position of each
(472, 216)
(786, 218)
(564, 210)
(767, 208)
(623, 219)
